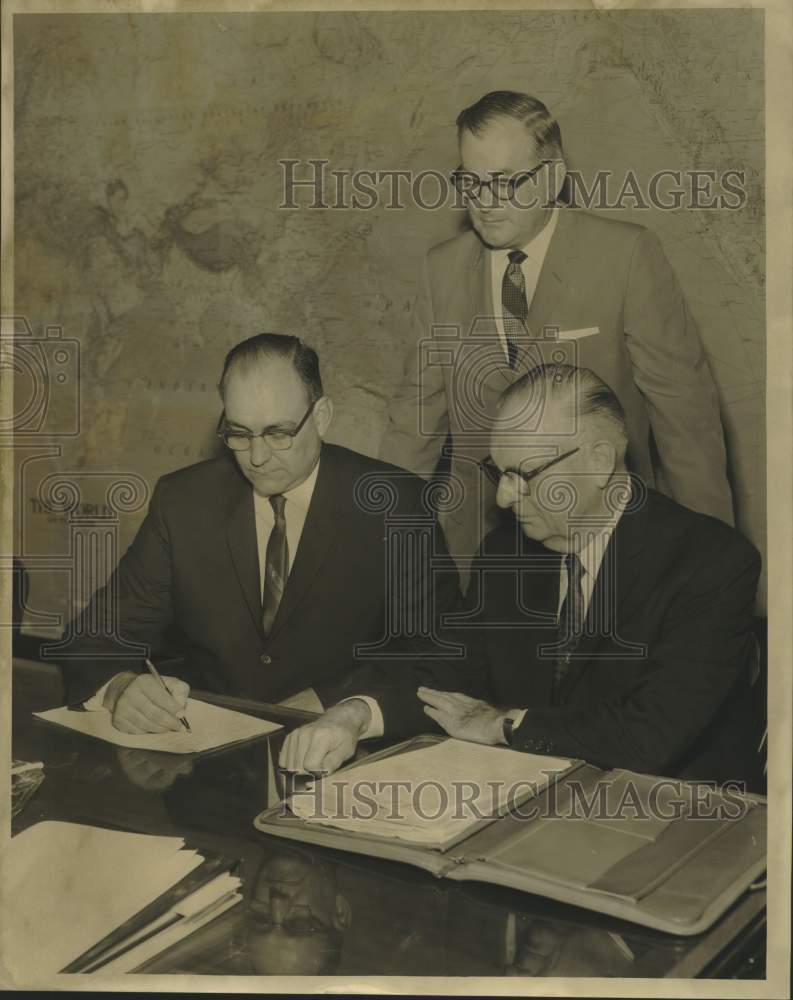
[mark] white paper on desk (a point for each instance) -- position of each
(211, 725)
(66, 886)
(446, 788)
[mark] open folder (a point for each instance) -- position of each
(211, 727)
(658, 852)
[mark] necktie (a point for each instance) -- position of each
(513, 299)
(571, 622)
(276, 565)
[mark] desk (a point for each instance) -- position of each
(314, 911)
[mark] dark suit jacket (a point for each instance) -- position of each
(660, 684)
(608, 289)
(193, 571)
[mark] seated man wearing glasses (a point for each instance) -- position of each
(267, 565)
(604, 622)
(536, 279)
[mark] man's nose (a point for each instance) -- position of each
(260, 451)
(279, 907)
(506, 494)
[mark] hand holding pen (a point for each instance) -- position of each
(153, 671)
(147, 703)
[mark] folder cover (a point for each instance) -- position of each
(665, 853)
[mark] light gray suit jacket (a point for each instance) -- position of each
(606, 299)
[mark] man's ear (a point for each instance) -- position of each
(342, 915)
(605, 461)
(557, 175)
(323, 414)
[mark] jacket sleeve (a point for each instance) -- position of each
(126, 619)
(704, 646)
(449, 659)
(418, 413)
(671, 371)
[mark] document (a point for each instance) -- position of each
(67, 886)
(188, 915)
(211, 725)
(428, 795)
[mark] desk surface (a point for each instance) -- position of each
(314, 911)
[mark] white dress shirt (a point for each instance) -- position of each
(591, 555)
(536, 251)
(298, 501)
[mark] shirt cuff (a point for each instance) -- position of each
(376, 725)
(97, 701)
(518, 718)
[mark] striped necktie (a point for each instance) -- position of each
(571, 622)
(276, 565)
(515, 306)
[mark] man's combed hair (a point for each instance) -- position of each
(569, 386)
(263, 347)
(540, 123)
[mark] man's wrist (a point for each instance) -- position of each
(507, 721)
(354, 713)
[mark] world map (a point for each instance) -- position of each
(148, 185)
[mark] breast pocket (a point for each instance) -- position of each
(579, 334)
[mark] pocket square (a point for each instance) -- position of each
(585, 331)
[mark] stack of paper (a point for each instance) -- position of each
(211, 727)
(68, 886)
(428, 795)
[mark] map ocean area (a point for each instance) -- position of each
(428, 795)
(211, 727)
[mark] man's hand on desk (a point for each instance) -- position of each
(139, 705)
(462, 717)
(154, 772)
(324, 745)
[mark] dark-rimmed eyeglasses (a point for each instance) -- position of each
(522, 480)
(277, 438)
(501, 186)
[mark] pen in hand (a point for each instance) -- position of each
(153, 671)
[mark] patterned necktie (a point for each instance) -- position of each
(571, 622)
(513, 299)
(276, 565)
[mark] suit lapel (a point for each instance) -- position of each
(242, 544)
(542, 596)
(319, 530)
(562, 250)
(616, 583)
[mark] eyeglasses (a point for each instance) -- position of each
(273, 437)
(499, 185)
(495, 475)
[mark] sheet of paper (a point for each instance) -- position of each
(67, 886)
(211, 725)
(426, 795)
(202, 905)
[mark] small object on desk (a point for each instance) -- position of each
(153, 671)
(213, 727)
(26, 776)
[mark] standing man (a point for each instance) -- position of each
(271, 565)
(536, 282)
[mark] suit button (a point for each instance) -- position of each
(265, 659)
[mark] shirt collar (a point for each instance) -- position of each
(300, 495)
(537, 248)
(592, 554)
